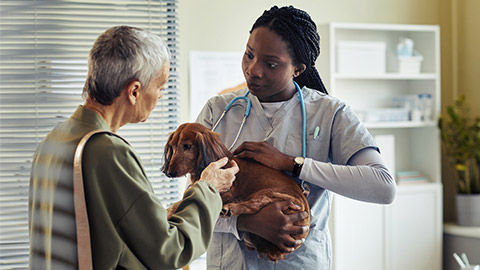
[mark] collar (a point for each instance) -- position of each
(90, 117)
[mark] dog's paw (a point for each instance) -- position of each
(226, 212)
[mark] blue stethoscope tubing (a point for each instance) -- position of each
(247, 113)
(249, 108)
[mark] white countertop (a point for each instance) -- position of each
(465, 231)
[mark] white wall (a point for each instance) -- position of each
(223, 25)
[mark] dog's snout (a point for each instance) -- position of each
(172, 173)
(168, 171)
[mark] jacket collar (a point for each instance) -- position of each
(90, 117)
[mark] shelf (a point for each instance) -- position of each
(387, 76)
(400, 124)
(404, 188)
(384, 27)
(464, 231)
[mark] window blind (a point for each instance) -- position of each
(44, 47)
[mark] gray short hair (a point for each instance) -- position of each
(120, 55)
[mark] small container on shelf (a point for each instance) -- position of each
(361, 57)
(410, 64)
(410, 177)
(383, 115)
(409, 60)
(419, 106)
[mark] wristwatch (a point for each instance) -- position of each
(297, 165)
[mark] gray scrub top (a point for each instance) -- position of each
(341, 135)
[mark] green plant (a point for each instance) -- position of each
(460, 133)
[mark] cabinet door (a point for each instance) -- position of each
(404, 235)
(415, 233)
(358, 235)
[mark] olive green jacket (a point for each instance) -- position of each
(128, 224)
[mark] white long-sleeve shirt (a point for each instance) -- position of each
(364, 169)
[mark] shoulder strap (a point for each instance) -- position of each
(81, 218)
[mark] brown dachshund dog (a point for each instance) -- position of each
(192, 147)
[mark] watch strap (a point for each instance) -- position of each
(297, 168)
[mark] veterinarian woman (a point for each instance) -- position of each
(127, 70)
(341, 156)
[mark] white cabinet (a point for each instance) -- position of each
(406, 234)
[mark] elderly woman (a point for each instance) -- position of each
(128, 68)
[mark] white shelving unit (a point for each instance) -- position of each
(417, 143)
(376, 232)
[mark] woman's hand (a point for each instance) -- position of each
(221, 179)
(266, 154)
(272, 224)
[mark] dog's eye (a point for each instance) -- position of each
(187, 146)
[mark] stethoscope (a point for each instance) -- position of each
(247, 113)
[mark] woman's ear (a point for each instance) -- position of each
(299, 69)
(133, 91)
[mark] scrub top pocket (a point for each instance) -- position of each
(317, 148)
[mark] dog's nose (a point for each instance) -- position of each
(171, 173)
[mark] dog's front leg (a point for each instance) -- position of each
(256, 202)
(227, 197)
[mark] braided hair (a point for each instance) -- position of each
(299, 31)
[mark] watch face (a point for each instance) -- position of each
(299, 160)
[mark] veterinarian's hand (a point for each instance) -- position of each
(272, 224)
(265, 153)
(221, 179)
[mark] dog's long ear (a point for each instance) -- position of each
(210, 148)
(167, 153)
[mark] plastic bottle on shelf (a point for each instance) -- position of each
(417, 109)
(405, 47)
(426, 107)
